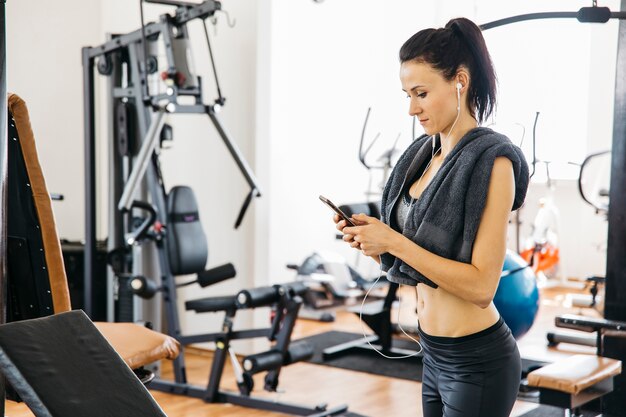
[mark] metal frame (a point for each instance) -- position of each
(549, 15)
(136, 92)
(3, 181)
(615, 293)
(575, 401)
(282, 327)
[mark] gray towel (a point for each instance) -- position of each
(445, 219)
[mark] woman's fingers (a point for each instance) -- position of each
(340, 225)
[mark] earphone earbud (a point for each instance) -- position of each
(459, 86)
(458, 96)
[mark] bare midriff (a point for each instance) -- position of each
(441, 313)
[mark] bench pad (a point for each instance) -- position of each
(138, 345)
(575, 374)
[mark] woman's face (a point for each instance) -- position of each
(433, 99)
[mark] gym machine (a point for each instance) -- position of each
(285, 301)
(148, 252)
(138, 117)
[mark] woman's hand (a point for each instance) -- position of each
(340, 224)
(370, 235)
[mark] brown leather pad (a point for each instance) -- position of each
(138, 345)
(575, 374)
(41, 198)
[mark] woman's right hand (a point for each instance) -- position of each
(340, 224)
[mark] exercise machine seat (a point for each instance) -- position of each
(187, 246)
(574, 374)
(138, 346)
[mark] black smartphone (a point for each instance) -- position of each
(337, 210)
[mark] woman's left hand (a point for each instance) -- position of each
(372, 236)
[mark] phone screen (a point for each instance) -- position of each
(337, 210)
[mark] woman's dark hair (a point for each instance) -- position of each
(459, 44)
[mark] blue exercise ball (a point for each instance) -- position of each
(517, 298)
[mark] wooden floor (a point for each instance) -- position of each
(366, 394)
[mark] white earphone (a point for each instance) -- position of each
(459, 86)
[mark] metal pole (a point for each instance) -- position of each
(143, 161)
(615, 308)
(3, 182)
(234, 151)
(90, 180)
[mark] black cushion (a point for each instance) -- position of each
(212, 304)
(63, 364)
(28, 281)
(186, 242)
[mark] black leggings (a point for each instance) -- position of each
(471, 376)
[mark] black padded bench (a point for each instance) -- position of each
(62, 366)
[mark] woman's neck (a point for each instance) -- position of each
(449, 139)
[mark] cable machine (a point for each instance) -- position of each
(138, 118)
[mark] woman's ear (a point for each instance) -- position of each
(462, 77)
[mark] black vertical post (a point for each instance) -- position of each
(90, 179)
(615, 298)
(3, 181)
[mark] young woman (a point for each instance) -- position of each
(445, 211)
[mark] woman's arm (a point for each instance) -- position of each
(476, 282)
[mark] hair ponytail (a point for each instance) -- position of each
(459, 44)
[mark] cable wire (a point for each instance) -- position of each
(399, 325)
(220, 99)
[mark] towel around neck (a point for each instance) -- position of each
(446, 217)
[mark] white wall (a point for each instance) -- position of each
(44, 41)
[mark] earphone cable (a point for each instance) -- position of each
(399, 325)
